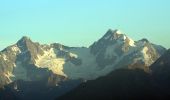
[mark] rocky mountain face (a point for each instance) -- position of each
(115, 48)
(125, 84)
(30, 61)
(120, 84)
(162, 63)
(18, 62)
(161, 72)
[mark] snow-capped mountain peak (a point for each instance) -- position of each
(24, 42)
(117, 36)
(108, 53)
(112, 34)
(24, 39)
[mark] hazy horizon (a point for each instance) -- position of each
(80, 23)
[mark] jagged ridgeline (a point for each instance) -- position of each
(30, 61)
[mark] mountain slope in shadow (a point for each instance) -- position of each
(119, 85)
(127, 84)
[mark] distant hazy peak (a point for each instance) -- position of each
(112, 33)
(144, 40)
(116, 31)
(24, 39)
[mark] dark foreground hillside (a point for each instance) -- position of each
(120, 85)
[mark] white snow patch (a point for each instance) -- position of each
(146, 57)
(4, 57)
(14, 64)
(131, 42)
(87, 70)
(145, 49)
(73, 55)
(118, 32)
(124, 37)
(9, 75)
(50, 61)
(15, 48)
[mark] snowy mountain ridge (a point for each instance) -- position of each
(114, 50)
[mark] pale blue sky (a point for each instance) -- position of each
(81, 22)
